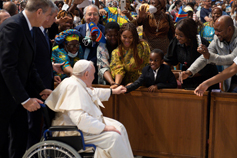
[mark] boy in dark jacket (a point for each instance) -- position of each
(156, 75)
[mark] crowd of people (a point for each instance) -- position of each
(153, 43)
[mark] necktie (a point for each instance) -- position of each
(32, 33)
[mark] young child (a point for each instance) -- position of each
(156, 75)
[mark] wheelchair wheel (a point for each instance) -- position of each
(51, 149)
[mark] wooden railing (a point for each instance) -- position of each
(167, 123)
(223, 125)
(175, 123)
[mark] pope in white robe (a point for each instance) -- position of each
(76, 103)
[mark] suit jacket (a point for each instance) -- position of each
(42, 62)
(17, 53)
(93, 50)
(164, 79)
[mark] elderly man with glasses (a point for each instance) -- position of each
(91, 14)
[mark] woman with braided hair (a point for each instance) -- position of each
(67, 50)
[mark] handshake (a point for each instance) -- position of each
(119, 90)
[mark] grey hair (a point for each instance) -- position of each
(34, 5)
(91, 5)
(80, 74)
(53, 7)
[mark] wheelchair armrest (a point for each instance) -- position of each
(63, 128)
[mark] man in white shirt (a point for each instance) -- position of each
(77, 103)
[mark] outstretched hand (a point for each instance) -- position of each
(127, 13)
(58, 67)
(102, 12)
(183, 76)
(142, 12)
(199, 91)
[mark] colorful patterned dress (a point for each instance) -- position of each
(207, 32)
(127, 67)
(113, 15)
(59, 55)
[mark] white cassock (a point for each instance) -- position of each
(78, 105)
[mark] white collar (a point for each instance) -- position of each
(42, 29)
(27, 20)
(79, 80)
(156, 70)
(87, 27)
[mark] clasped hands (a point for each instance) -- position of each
(123, 89)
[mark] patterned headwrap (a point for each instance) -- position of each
(67, 35)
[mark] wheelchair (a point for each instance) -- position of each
(59, 147)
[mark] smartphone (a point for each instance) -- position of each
(122, 5)
(199, 40)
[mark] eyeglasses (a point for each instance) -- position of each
(94, 14)
(71, 46)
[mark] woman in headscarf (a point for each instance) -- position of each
(157, 26)
(67, 50)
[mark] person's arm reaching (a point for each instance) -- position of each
(225, 59)
(230, 71)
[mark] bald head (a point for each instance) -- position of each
(10, 7)
(225, 20)
(224, 28)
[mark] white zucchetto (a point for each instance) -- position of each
(80, 66)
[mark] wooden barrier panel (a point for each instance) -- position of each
(168, 123)
(223, 126)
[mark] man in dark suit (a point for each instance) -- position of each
(91, 14)
(44, 67)
(17, 52)
(156, 75)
